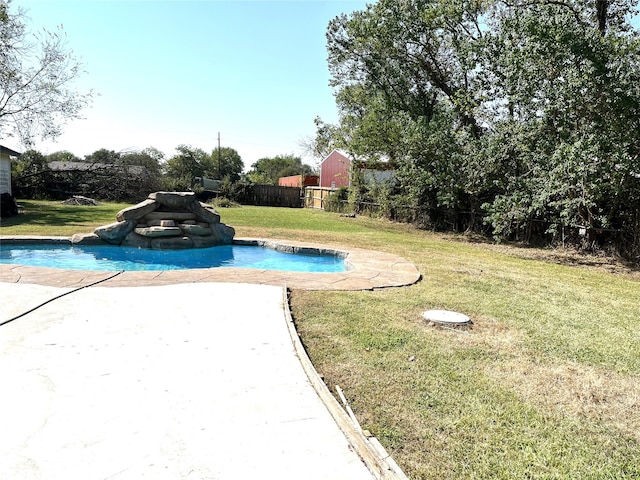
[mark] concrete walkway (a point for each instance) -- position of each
(197, 381)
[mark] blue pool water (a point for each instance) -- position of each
(113, 258)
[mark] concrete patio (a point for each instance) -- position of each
(178, 381)
(175, 374)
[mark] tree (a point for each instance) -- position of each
(190, 162)
(523, 113)
(267, 170)
(187, 164)
(151, 158)
(225, 163)
(104, 156)
(568, 85)
(62, 156)
(410, 55)
(26, 174)
(328, 137)
(36, 77)
(407, 83)
(104, 174)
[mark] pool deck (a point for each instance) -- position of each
(368, 270)
(205, 380)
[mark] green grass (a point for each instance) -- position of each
(42, 217)
(545, 385)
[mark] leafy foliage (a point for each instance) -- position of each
(192, 162)
(523, 117)
(36, 77)
(104, 174)
(122, 176)
(268, 170)
(337, 201)
(227, 163)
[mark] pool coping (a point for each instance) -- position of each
(367, 270)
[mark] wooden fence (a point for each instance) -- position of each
(315, 197)
(273, 196)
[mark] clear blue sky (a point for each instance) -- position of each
(171, 72)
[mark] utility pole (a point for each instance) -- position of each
(219, 156)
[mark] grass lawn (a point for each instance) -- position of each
(52, 218)
(546, 384)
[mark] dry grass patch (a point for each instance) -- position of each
(584, 392)
(486, 333)
(579, 391)
(570, 257)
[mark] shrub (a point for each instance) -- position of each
(338, 201)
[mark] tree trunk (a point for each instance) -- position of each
(601, 14)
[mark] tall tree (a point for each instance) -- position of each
(225, 163)
(151, 158)
(193, 162)
(186, 164)
(567, 83)
(28, 175)
(36, 79)
(407, 81)
(411, 54)
(105, 156)
(30, 163)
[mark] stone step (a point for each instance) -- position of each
(137, 211)
(155, 232)
(196, 229)
(170, 216)
(174, 200)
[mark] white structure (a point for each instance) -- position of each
(446, 317)
(5, 168)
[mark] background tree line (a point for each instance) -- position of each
(520, 119)
(132, 175)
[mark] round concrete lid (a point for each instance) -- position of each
(446, 316)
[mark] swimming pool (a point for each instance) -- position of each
(116, 258)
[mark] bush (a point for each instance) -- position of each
(338, 201)
(9, 208)
(224, 202)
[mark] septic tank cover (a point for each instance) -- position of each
(446, 316)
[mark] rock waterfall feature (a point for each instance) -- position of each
(165, 220)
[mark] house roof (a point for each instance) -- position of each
(8, 151)
(336, 150)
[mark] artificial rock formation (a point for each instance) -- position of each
(165, 220)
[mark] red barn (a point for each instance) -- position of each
(335, 170)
